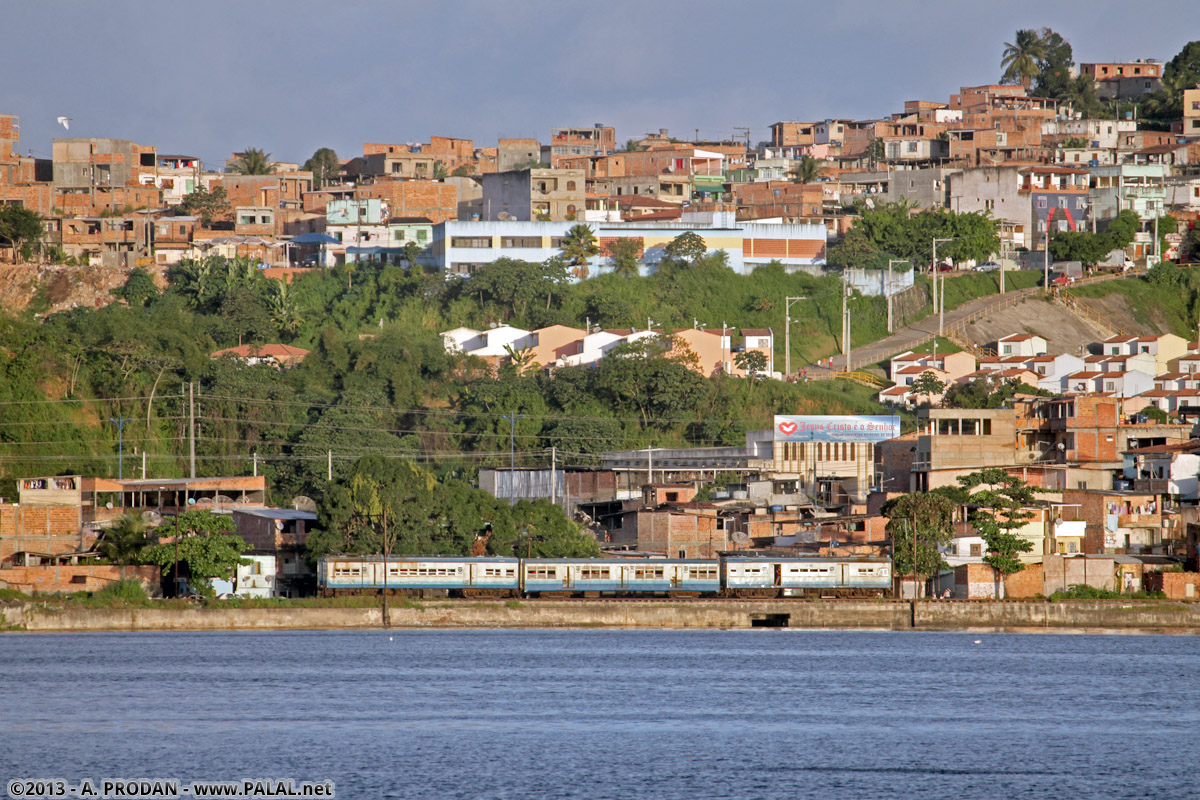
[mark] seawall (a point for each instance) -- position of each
(1146, 615)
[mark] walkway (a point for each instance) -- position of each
(926, 329)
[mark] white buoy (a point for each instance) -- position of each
(390, 639)
(979, 641)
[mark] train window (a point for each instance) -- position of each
(594, 573)
(542, 572)
(510, 573)
(647, 573)
(342, 571)
(703, 573)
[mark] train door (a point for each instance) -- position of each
(677, 572)
(569, 575)
(778, 574)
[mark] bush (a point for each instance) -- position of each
(127, 590)
(1083, 592)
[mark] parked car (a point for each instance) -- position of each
(1055, 280)
(987, 266)
(945, 268)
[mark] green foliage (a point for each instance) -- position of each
(122, 591)
(206, 548)
(807, 170)
(394, 504)
(1081, 591)
(928, 384)
(999, 506)
(625, 255)
(18, 226)
(1168, 274)
(513, 289)
(1021, 58)
(1155, 414)
(139, 288)
(206, 205)
(324, 166)
(985, 394)
(687, 246)
(892, 230)
(927, 517)
(253, 161)
(578, 246)
(124, 542)
(752, 362)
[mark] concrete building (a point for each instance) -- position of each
(517, 153)
(1138, 188)
(565, 142)
(1124, 80)
(533, 194)
(459, 248)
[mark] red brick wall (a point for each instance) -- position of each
(79, 578)
(1174, 584)
(432, 199)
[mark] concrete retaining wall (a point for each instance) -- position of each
(937, 615)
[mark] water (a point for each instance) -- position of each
(613, 714)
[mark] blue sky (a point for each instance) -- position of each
(210, 77)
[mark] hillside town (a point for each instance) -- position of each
(1094, 444)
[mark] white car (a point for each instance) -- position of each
(987, 266)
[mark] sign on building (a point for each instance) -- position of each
(826, 428)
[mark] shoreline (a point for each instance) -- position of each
(1004, 616)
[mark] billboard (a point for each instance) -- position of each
(824, 428)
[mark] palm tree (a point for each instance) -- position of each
(1020, 59)
(123, 543)
(253, 162)
(807, 170)
(282, 305)
(579, 245)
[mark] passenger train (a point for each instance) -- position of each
(750, 576)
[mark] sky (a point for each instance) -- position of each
(290, 76)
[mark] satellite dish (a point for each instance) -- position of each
(278, 524)
(302, 503)
(109, 505)
(504, 216)
(152, 517)
(741, 537)
(223, 499)
(1058, 523)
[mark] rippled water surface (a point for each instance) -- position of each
(613, 714)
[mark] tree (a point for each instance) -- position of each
(207, 205)
(807, 170)
(439, 171)
(631, 146)
(1167, 273)
(928, 384)
(920, 522)
(253, 161)
(752, 362)
(324, 166)
(578, 246)
(625, 252)
(1020, 58)
(205, 546)
(18, 226)
(514, 286)
(463, 171)
(412, 253)
(876, 151)
(138, 288)
(124, 542)
(1089, 248)
(281, 302)
(999, 507)
(688, 246)
(1054, 66)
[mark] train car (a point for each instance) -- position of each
(420, 575)
(804, 576)
(592, 577)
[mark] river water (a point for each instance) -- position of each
(594, 714)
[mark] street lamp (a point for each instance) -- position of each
(512, 455)
(888, 289)
(787, 334)
(120, 423)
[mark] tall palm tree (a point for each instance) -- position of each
(282, 305)
(807, 170)
(254, 162)
(1020, 59)
(123, 543)
(579, 245)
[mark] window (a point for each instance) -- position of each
(570, 186)
(470, 241)
(976, 550)
(1041, 202)
(647, 573)
(400, 235)
(593, 573)
(421, 235)
(521, 241)
(703, 573)
(542, 572)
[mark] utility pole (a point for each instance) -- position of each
(942, 308)
(512, 454)
(192, 430)
(845, 294)
(554, 475)
(328, 465)
(888, 289)
(787, 333)
(120, 423)
(386, 621)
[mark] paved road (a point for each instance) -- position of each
(925, 329)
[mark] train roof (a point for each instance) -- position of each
(377, 557)
(790, 559)
(631, 561)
